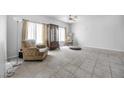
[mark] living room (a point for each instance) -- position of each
(65, 46)
(37, 19)
(37, 28)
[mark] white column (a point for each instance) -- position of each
(3, 38)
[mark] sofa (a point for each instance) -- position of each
(31, 51)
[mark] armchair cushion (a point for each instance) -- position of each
(43, 49)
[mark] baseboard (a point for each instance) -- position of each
(11, 57)
(116, 50)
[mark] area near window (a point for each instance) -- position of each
(61, 34)
(35, 32)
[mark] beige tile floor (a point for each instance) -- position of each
(67, 63)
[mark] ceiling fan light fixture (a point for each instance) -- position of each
(72, 18)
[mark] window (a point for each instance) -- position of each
(61, 34)
(39, 35)
(35, 32)
(31, 31)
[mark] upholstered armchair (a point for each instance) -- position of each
(32, 52)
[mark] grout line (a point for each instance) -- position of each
(110, 71)
(73, 73)
(93, 66)
(61, 53)
(110, 67)
(93, 71)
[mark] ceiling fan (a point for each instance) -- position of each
(73, 18)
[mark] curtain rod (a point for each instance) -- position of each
(39, 22)
(33, 21)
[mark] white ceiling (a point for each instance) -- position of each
(63, 18)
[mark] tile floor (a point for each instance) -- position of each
(67, 63)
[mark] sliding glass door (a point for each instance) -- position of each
(2, 45)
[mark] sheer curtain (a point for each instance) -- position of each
(24, 30)
(49, 34)
(62, 36)
(35, 32)
(39, 34)
(31, 31)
